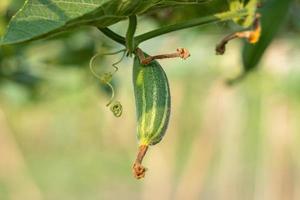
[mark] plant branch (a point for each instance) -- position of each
(130, 34)
(114, 36)
(190, 23)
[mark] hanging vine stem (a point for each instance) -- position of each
(224, 16)
(105, 78)
(130, 43)
(219, 17)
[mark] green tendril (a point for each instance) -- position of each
(116, 108)
(105, 78)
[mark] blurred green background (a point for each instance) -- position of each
(59, 141)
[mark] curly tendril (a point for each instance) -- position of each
(105, 78)
(116, 108)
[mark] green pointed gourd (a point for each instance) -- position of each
(153, 101)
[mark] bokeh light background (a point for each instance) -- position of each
(59, 141)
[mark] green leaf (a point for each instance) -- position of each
(250, 5)
(273, 15)
(42, 18)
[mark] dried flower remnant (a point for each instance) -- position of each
(180, 53)
(252, 36)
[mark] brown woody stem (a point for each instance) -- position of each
(138, 169)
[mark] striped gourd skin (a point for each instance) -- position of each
(153, 102)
